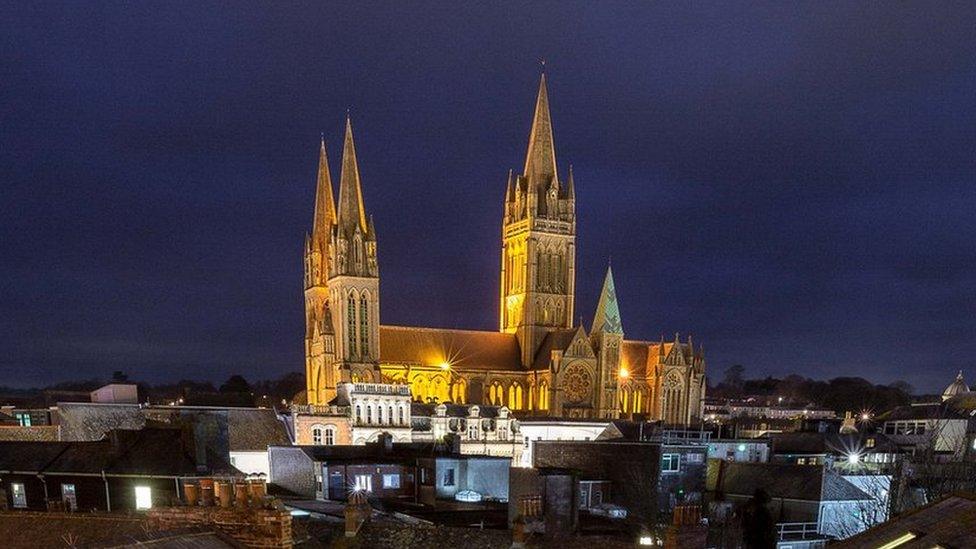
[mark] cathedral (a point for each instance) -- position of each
(538, 362)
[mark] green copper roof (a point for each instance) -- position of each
(607, 317)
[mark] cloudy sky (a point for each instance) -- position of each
(793, 184)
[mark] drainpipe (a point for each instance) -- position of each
(44, 484)
(108, 501)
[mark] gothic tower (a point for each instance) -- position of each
(538, 259)
(353, 280)
(320, 374)
(607, 337)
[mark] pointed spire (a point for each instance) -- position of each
(325, 213)
(570, 185)
(607, 317)
(510, 188)
(540, 160)
(351, 210)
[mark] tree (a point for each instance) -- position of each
(235, 384)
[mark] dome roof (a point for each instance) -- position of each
(957, 387)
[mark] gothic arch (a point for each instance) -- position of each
(459, 392)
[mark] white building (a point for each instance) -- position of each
(534, 430)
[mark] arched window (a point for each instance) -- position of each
(379, 415)
(461, 391)
(512, 403)
(359, 414)
(369, 415)
(351, 324)
(531, 402)
(401, 418)
(543, 396)
(637, 401)
(317, 431)
(390, 420)
(624, 400)
(364, 326)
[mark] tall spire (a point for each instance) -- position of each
(325, 213)
(540, 160)
(607, 317)
(351, 209)
(570, 185)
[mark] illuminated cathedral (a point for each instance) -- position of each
(538, 362)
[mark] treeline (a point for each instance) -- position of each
(235, 391)
(840, 394)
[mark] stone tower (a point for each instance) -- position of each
(607, 336)
(354, 281)
(538, 260)
(321, 375)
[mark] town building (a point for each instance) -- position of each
(856, 452)
(537, 429)
(804, 499)
(411, 472)
(538, 361)
(128, 470)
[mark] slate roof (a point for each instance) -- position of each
(949, 522)
(556, 340)
(151, 452)
(830, 443)
(924, 411)
(780, 480)
(29, 456)
(402, 452)
(418, 409)
(255, 430)
(465, 349)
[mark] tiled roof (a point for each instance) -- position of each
(924, 411)
(464, 349)
(950, 522)
(830, 443)
(255, 430)
(156, 452)
(780, 480)
(29, 456)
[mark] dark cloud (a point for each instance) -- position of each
(795, 185)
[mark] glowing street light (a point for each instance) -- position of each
(445, 365)
(624, 374)
(854, 458)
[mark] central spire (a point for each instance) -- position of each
(325, 214)
(351, 210)
(540, 160)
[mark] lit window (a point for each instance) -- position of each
(391, 481)
(364, 483)
(449, 477)
(19, 495)
(24, 419)
(364, 328)
(670, 463)
(68, 497)
(143, 497)
(870, 443)
(351, 325)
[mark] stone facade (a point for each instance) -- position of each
(537, 362)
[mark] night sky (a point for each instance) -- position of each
(793, 185)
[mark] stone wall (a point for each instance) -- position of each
(259, 528)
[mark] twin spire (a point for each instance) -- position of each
(352, 212)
